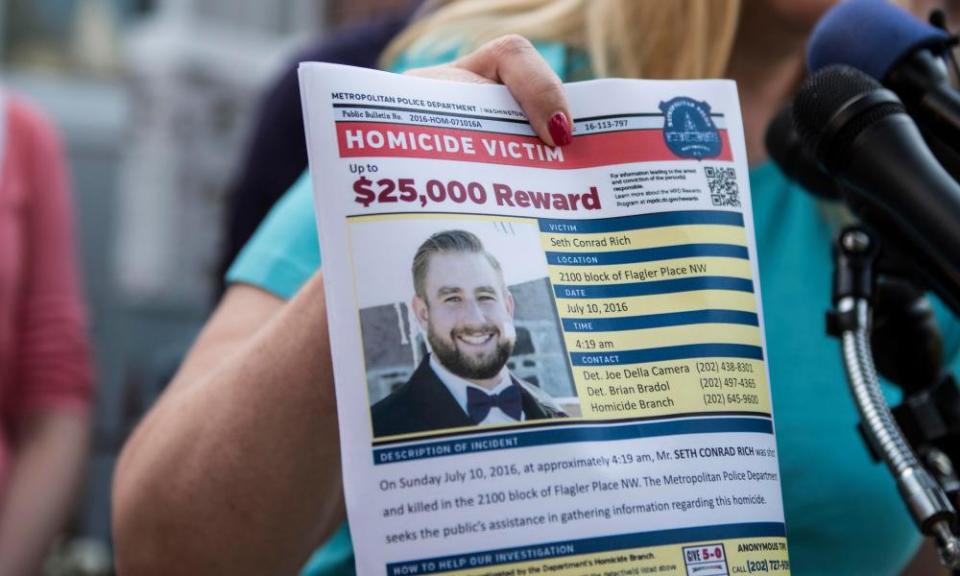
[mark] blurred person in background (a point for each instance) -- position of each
(236, 469)
(277, 154)
(45, 365)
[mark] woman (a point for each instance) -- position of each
(257, 386)
(45, 372)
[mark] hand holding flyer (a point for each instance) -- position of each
(546, 359)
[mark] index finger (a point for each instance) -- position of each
(514, 62)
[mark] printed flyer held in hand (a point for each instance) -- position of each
(546, 359)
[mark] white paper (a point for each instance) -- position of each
(633, 309)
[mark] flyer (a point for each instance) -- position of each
(547, 360)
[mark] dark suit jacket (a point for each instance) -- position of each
(425, 404)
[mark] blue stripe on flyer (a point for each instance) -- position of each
(646, 255)
(660, 320)
(626, 223)
(683, 352)
(586, 546)
(568, 435)
(654, 287)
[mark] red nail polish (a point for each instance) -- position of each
(559, 129)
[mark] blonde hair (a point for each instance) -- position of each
(677, 38)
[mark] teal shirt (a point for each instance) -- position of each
(843, 513)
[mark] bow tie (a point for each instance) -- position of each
(479, 403)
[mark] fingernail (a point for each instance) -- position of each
(559, 129)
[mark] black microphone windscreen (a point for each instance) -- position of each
(828, 94)
(781, 137)
(785, 149)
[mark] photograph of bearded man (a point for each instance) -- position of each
(464, 307)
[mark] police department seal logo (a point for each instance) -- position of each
(688, 130)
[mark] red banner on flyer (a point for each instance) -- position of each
(365, 139)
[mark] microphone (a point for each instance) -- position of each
(860, 134)
(784, 146)
(905, 54)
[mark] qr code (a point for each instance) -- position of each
(723, 186)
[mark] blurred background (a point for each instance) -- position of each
(155, 101)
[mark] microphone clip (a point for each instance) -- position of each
(855, 255)
(938, 19)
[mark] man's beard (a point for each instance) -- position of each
(464, 366)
